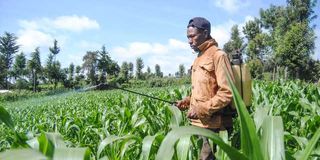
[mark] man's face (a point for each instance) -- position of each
(196, 37)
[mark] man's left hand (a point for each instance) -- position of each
(192, 114)
(202, 109)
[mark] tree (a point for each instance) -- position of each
(301, 47)
(182, 70)
(78, 76)
(78, 70)
(271, 17)
(301, 10)
(130, 70)
(2, 73)
(69, 82)
(283, 23)
(158, 71)
(55, 49)
(53, 66)
(313, 69)
(55, 73)
(257, 49)
(19, 71)
(124, 71)
(71, 71)
(235, 42)
(49, 68)
(114, 69)
(148, 74)
(139, 67)
(90, 64)
(257, 41)
(295, 50)
(251, 29)
(34, 65)
(149, 70)
(66, 81)
(274, 20)
(19, 66)
(104, 64)
(8, 47)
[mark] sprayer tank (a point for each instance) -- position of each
(243, 80)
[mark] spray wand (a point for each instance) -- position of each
(105, 85)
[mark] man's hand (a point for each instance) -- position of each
(183, 104)
(200, 111)
(192, 114)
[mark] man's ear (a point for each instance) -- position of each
(206, 33)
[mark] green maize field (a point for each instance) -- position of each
(282, 123)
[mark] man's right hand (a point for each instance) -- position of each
(182, 105)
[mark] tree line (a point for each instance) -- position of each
(278, 43)
(281, 41)
(21, 73)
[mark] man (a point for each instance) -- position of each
(210, 93)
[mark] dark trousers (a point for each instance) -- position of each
(207, 153)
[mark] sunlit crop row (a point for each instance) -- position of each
(118, 125)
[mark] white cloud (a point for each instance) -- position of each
(70, 23)
(170, 64)
(248, 18)
(75, 23)
(30, 39)
(173, 53)
(29, 24)
(140, 48)
(231, 5)
(158, 48)
(168, 55)
(75, 58)
(176, 44)
(222, 32)
(136, 49)
(89, 46)
(42, 32)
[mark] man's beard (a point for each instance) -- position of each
(195, 49)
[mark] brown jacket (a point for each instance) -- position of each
(210, 89)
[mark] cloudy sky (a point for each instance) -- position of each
(154, 30)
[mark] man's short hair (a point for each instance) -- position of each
(200, 23)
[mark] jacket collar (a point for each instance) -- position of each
(207, 44)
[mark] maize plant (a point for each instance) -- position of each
(118, 125)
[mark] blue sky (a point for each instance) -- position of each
(154, 30)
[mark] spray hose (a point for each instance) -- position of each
(105, 85)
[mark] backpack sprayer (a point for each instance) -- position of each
(242, 76)
(107, 86)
